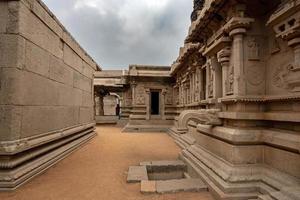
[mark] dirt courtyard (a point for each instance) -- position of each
(97, 171)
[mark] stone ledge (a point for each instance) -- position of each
(286, 140)
(271, 116)
(13, 147)
(12, 179)
(239, 174)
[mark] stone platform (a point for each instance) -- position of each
(164, 177)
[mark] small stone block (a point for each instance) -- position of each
(137, 174)
(145, 163)
(180, 185)
(148, 187)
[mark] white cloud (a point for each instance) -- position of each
(121, 32)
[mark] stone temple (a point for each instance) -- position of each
(231, 100)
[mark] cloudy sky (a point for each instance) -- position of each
(117, 33)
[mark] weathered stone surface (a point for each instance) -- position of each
(148, 187)
(86, 114)
(37, 60)
(82, 82)
(72, 59)
(60, 72)
(43, 119)
(33, 29)
(87, 99)
(88, 71)
(12, 51)
(137, 174)
(43, 15)
(186, 185)
(10, 122)
(3, 16)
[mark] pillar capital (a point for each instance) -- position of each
(238, 25)
(224, 55)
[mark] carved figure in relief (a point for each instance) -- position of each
(280, 75)
(253, 49)
(211, 83)
(230, 80)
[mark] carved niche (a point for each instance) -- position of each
(253, 49)
(140, 96)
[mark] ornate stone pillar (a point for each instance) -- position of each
(227, 81)
(237, 28)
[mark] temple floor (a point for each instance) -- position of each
(98, 170)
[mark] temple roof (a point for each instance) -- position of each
(185, 52)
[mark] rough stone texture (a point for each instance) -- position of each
(137, 174)
(46, 93)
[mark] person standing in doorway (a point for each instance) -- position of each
(118, 110)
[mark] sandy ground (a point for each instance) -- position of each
(98, 170)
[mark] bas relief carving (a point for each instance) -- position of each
(280, 76)
(253, 49)
(230, 81)
(210, 85)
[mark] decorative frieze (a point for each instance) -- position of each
(286, 24)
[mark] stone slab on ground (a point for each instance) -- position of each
(137, 174)
(186, 185)
(148, 187)
(164, 165)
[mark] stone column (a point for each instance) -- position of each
(133, 87)
(147, 101)
(239, 85)
(223, 59)
(101, 104)
(237, 28)
(162, 104)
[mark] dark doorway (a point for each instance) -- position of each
(154, 103)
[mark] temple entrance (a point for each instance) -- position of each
(154, 103)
